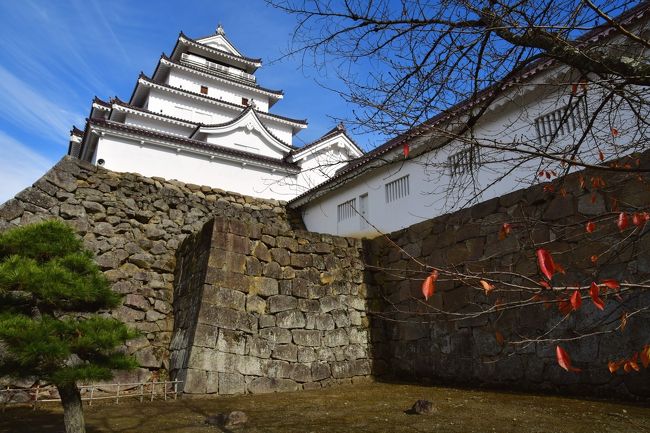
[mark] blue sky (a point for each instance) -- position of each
(55, 56)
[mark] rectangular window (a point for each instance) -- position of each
(464, 161)
(397, 189)
(346, 210)
(204, 90)
(562, 121)
(244, 102)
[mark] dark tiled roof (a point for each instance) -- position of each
(76, 131)
(223, 77)
(593, 36)
(101, 102)
(246, 59)
(241, 107)
(193, 143)
(338, 129)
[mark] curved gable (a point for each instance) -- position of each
(245, 133)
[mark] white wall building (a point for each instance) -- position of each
(202, 118)
(546, 108)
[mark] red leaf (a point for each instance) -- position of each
(638, 219)
(601, 155)
(622, 221)
(429, 285)
(631, 364)
(594, 258)
(499, 338)
(487, 287)
(544, 284)
(406, 150)
(594, 292)
(564, 306)
(614, 365)
(590, 227)
(614, 132)
(505, 230)
(611, 284)
(564, 360)
(545, 262)
(576, 300)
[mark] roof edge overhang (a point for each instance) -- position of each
(276, 95)
(102, 128)
(296, 125)
(325, 142)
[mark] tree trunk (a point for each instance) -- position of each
(73, 415)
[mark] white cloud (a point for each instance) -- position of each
(19, 166)
(26, 108)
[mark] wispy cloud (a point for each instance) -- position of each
(26, 108)
(19, 165)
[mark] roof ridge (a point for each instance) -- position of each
(248, 59)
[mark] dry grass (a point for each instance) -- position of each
(377, 407)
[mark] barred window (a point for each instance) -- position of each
(346, 210)
(464, 161)
(397, 189)
(562, 121)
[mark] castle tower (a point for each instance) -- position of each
(202, 118)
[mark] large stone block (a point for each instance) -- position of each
(304, 337)
(195, 382)
(231, 383)
(267, 384)
(231, 341)
(290, 319)
(286, 352)
(336, 337)
(276, 335)
(263, 286)
(224, 297)
(282, 303)
(320, 371)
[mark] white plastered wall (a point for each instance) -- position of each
(128, 155)
(434, 192)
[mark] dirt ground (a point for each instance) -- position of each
(376, 407)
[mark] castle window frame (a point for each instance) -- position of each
(346, 210)
(464, 161)
(562, 121)
(397, 189)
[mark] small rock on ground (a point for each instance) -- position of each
(232, 419)
(422, 407)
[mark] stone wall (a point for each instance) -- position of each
(413, 340)
(260, 308)
(134, 225)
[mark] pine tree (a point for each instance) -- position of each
(50, 293)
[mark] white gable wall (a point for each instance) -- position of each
(243, 139)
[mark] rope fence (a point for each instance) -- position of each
(106, 391)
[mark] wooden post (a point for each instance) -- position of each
(175, 389)
(141, 392)
(153, 386)
(117, 397)
(36, 396)
(165, 389)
